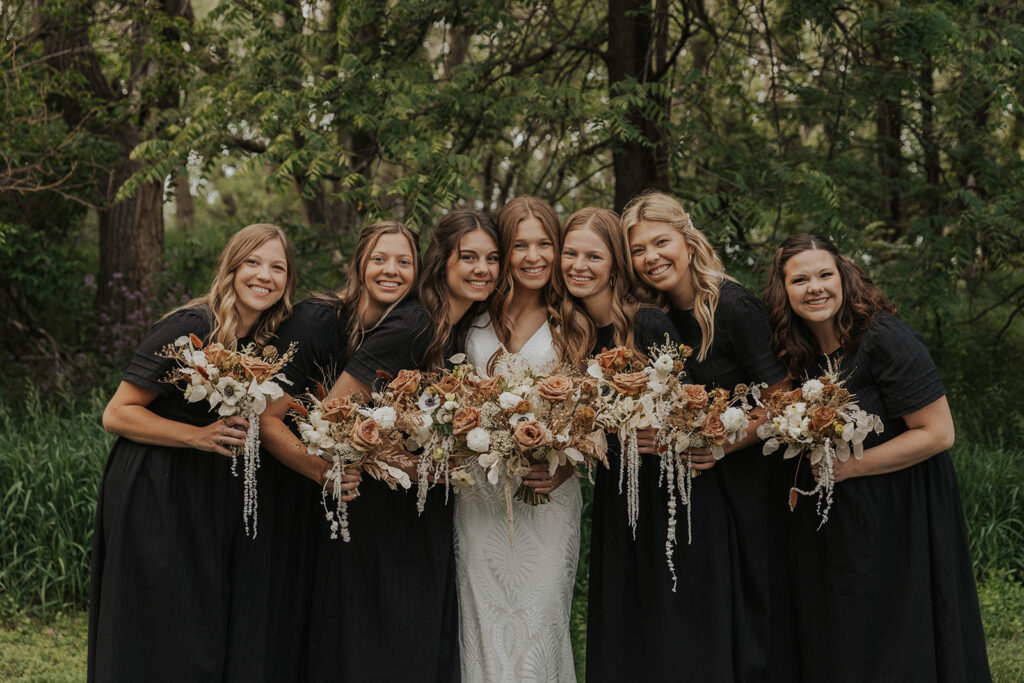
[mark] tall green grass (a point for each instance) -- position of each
(52, 453)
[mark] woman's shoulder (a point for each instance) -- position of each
(887, 328)
(733, 292)
(410, 312)
(197, 320)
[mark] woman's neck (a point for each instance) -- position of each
(370, 312)
(825, 334)
(683, 296)
(599, 307)
(525, 300)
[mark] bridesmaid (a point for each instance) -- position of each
(328, 328)
(886, 585)
(387, 606)
(727, 327)
(637, 627)
(171, 595)
(515, 601)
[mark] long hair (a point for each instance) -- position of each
(512, 214)
(706, 270)
(794, 343)
(578, 329)
(220, 300)
(433, 287)
(353, 299)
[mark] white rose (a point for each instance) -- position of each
(812, 390)
(664, 364)
(734, 420)
(508, 400)
(479, 439)
(385, 417)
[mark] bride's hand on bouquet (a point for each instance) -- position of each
(645, 440)
(543, 483)
(350, 481)
(223, 436)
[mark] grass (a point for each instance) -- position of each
(53, 649)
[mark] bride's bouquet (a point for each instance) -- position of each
(347, 434)
(233, 383)
(821, 420)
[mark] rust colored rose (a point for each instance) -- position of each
(718, 398)
(713, 429)
(583, 415)
(555, 388)
(789, 397)
(447, 385)
(695, 394)
(612, 360)
(255, 367)
(530, 434)
(631, 383)
(466, 419)
(407, 382)
(822, 417)
(365, 435)
(523, 406)
(488, 388)
(337, 409)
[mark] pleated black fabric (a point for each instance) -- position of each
(638, 629)
(173, 583)
(885, 588)
(741, 353)
(386, 605)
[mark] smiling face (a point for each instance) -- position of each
(533, 253)
(814, 289)
(587, 267)
(259, 282)
(389, 273)
(472, 270)
(661, 258)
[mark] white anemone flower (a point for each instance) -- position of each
(462, 480)
(428, 402)
(229, 392)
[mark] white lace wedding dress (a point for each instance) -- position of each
(514, 602)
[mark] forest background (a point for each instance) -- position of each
(135, 136)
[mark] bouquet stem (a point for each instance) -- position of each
(530, 496)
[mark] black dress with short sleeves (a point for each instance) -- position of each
(173, 579)
(886, 588)
(386, 608)
(638, 629)
(755, 487)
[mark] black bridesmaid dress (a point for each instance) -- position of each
(175, 588)
(385, 608)
(638, 629)
(885, 589)
(761, 582)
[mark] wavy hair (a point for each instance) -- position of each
(706, 270)
(220, 300)
(512, 214)
(354, 297)
(794, 343)
(433, 290)
(578, 330)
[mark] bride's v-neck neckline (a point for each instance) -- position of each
(529, 340)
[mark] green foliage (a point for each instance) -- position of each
(1002, 605)
(51, 650)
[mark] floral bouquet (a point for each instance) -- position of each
(822, 420)
(347, 434)
(234, 383)
(447, 415)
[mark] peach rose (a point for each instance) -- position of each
(822, 417)
(529, 434)
(488, 388)
(407, 382)
(612, 360)
(365, 435)
(695, 394)
(713, 429)
(466, 419)
(555, 388)
(631, 383)
(255, 367)
(446, 385)
(337, 409)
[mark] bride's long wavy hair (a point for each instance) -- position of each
(512, 214)
(578, 329)
(220, 300)
(706, 270)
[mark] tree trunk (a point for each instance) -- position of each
(184, 204)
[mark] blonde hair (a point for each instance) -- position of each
(220, 300)
(578, 329)
(512, 214)
(706, 269)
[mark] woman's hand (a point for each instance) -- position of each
(700, 458)
(541, 482)
(350, 481)
(645, 440)
(222, 436)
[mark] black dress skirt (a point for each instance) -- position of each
(385, 608)
(175, 587)
(885, 589)
(742, 353)
(638, 629)
(291, 512)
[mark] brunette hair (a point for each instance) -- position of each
(220, 300)
(352, 299)
(433, 287)
(706, 269)
(578, 330)
(512, 214)
(794, 344)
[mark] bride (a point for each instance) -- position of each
(514, 600)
